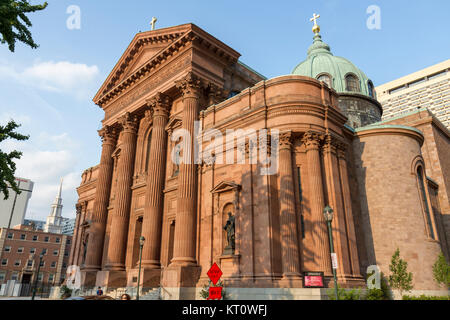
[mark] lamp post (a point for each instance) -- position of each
(141, 244)
(328, 215)
(37, 276)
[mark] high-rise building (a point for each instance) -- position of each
(68, 226)
(55, 219)
(427, 88)
(13, 209)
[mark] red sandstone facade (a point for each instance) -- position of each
(169, 78)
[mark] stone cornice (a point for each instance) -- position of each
(192, 33)
(391, 130)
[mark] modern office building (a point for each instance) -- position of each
(68, 226)
(427, 88)
(13, 209)
(38, 224)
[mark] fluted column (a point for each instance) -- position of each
(317, 203)
(119, 224)
(97, 228)
(352, 246)
(75, 238)
(288, 221)
(185, 226)
(335, 200)
(152, 224)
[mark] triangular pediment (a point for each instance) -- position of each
(225, 186)
(143, 47)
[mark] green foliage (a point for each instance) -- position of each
(7, 165)
(383, 293)
(441, 271)
(14, 23)
(65, 292)
(424, 297)
(343, 294)
(400, 278)
(205, 291)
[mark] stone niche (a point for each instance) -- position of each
(226, 200)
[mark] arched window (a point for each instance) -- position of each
(424, 198)
(372, 93)
(352, 83)
(325, 78)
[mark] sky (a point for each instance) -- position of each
(49, 90)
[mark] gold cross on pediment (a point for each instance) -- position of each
(153, 22)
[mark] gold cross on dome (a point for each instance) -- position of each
(314, 18)
(153, 22)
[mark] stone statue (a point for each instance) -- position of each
(229, 228)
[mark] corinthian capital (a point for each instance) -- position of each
(312, 139)
(108, 134)
(129, 122)
(160, 104)
(285, 140)
(215, 94)
(190, 85)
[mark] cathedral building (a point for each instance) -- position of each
(254, 205)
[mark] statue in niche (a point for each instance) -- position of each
(230, 229)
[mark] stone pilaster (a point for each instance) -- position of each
(352, 246)
(317, 222)
(152, 223)
(76, 235)
(98, 225)
(185, 226)
(288, 222)
(335, 200)
(119, 225)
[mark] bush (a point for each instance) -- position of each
(65, 292)
(441, 271)
(353, 294)
(383, 293)
(424, 297)
(205, 291)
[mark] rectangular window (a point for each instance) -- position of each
(40, 276)
(55, 252)
(20, 250)
(35, 238)
(66, 254)
(10, 235)
(53, 265)
(14, 276)
(2, 276)
(30, 263)
(33, 250)
(8, 249)
(44, 251)
(4, 262)
(58, 240)
(46, 239)
(68, 241)
(42, 263)
(51, 276)
(17, 263)
(23, 236)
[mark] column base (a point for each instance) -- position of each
(179, 282)
(150, 278)
(291, 280)
(88, 278)
(111, 279)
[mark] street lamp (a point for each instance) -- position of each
(37, 275)
(328, 215)
(141, 244)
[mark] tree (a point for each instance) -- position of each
(7, 165)
(14, 23)
(400, 278)
(441, 271)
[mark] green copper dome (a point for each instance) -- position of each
(339, 73)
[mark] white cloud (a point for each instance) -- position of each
(63, 77)
(46, 159)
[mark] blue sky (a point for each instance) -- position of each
(50, 90)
